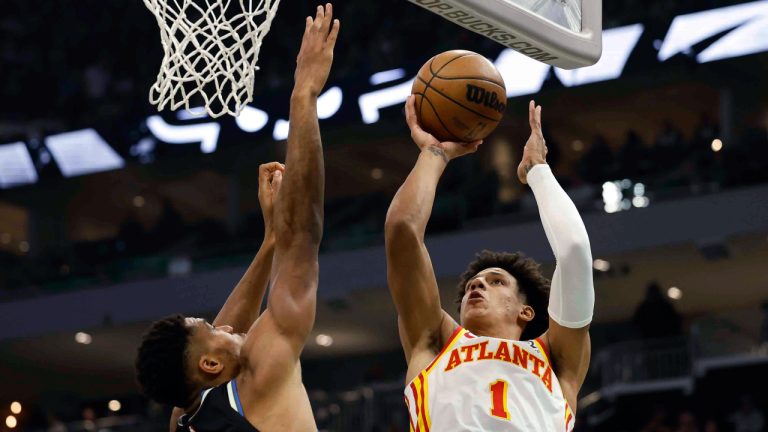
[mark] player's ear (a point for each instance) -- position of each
(210, 364)
(526, 314)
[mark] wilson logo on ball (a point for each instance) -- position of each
(483, 97)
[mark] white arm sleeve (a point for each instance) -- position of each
(572, 295)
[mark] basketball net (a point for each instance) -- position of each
(211, 48)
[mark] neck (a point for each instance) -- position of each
(494, 329)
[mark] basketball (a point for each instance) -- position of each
(460, 96)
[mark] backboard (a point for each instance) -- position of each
(563, 33)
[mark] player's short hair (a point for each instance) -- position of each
(161, 362)
(533, 286)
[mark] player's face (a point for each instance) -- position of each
(220, 343)
(490, 296)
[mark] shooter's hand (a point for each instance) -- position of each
(316, 55)
(427, 142)
(535, 151)
(270, 178)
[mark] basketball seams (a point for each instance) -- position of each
(437, 116)
(429, 86)
(431, 61)
(436, 74)
(462, 105)
(503, 87)
(448, 62)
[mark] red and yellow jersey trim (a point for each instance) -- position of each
(420, 385)
(542, 348)
(457, 334)
(410, 418)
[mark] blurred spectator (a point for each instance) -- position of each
(669, 147)
(747, 418)
(670, 136)
(711, 426)
(706, 130)
(169, 226)
(687, 422)
(131, 235)
(89, 419)
(504, 164)
(658, 422)
(55, 425)
(634, 158)
(598, 164)
(656, 317)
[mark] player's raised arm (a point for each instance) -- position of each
(298, 214)
(244, 303)
(572, 294)
(409, 269)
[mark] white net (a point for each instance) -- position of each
(211, 48)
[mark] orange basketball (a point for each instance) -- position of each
(460, 96)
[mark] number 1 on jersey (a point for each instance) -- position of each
(499, 399)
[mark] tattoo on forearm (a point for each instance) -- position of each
(437, 151)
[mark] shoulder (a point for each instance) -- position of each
(175, 414)
(541, 345)
(448, 331)
(420, 353)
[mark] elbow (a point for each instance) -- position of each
(398, 227)
(577, 250)
(290, 230)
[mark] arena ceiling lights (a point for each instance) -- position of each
(16, 166)
(82, 152)
(748, 25)
(743, 29)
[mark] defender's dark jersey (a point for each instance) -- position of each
(220, 411)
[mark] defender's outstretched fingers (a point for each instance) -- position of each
(327, 19)
(319, 16)
(308, 25)
(334, 33)
(267, 169)
(277, 180)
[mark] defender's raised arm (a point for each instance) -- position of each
(299, 208)
(244, 303)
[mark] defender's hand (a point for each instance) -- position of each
(270, 179)
(535, 151)
(316, 55)
(427, 142)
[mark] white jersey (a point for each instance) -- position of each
(480, 384)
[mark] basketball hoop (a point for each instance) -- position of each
(211, 48)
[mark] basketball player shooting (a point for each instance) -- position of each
(521, 353)
(242, 372)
